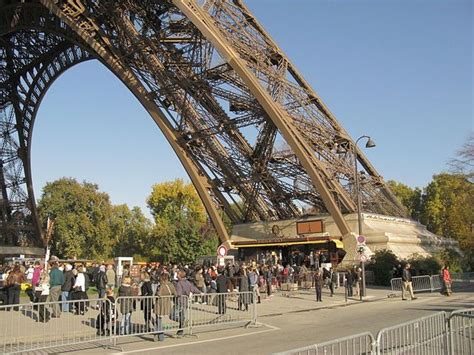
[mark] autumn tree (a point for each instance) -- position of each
(180, 229)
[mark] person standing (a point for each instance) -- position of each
(183, 288)
(253, 282)
(146, 304)
(56, 282)
(245, 298)
(407, 282)
(101, 281)
(318, 284)
(42, 291)
(110, 273)
(332, 280)
(199, 282)
(14, 280)
(349, 283)
(126, 305)
(223, 286)
(268, 276)
(447, 280)
(163, 304)
(66, 288)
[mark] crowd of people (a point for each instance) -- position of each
(69, 282)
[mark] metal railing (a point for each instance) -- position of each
(352, 345)
(222, 308)
(37, 326)
(461, 332)
(419, 283)
(426, 335)
(438, 333)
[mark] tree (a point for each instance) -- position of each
(81, 215)
(410, 198)
(180, 222)
(448, 208)
(463, 163)
(132, 232)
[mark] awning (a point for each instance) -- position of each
(339, 244)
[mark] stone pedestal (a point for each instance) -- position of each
(404, 237)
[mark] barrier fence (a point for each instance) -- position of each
(419, 283)
(353, 345)
(440, 333)
(29, 327)
(461, 331)
(37, 326)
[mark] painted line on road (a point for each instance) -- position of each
(272, 329)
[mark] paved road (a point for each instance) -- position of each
(291, 323)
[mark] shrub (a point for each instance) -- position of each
(383, 263)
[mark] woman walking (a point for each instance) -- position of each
(447, 281)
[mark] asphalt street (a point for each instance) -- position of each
(287, 323)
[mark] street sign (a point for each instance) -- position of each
(361, 239)
(221, 251)
(363, 258)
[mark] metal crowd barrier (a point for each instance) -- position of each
(419, 283)
(438, 333)
(426, 335)
(222, 308)
(461, 332)
(352, 345)
(35, 326)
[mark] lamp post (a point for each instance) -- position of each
(370, 144)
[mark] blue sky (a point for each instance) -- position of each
(400, 71)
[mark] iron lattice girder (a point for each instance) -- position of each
(222, 92)
(30, 61)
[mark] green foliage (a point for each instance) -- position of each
(88, 226)
(425, 265)
(451, 258)
(410, 198)
(180, 230)
(446, 207)
(383, 263)
(132, 231)
(81, 215)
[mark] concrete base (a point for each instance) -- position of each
(404, 237)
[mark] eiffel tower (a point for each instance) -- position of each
(255, 139)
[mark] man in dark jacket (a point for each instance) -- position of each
(101, 281)
(349, 283)
(66, 288)
(222, 283)
(407, 285)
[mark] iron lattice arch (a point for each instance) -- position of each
(255, 139)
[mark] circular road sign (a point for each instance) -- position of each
(363, 258)
(361, 239)
(221, 251)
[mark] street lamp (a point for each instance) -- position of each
(370, 144)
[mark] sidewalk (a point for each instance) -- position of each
(305, 300)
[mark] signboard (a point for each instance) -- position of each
(307, 227)
(360, 239)
(221, 251)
